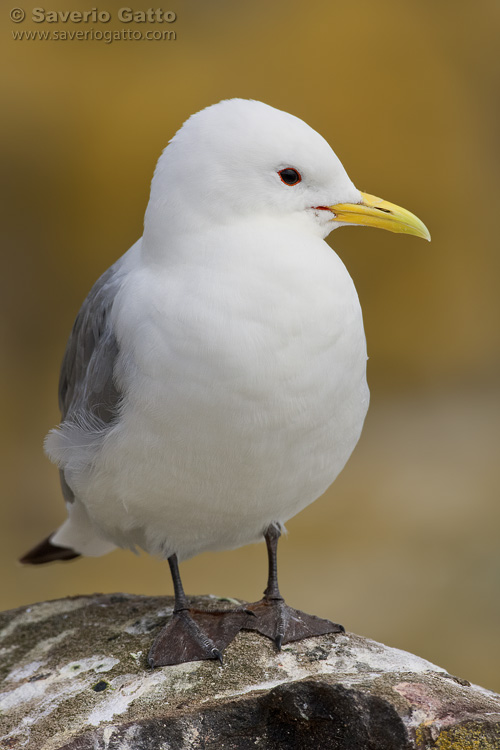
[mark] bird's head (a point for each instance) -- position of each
(241, 158)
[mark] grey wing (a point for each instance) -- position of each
(87, 389)
(88, 394)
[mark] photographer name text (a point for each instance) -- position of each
(94, 15)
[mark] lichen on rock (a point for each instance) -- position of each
(75, 676)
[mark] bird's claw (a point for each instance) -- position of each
(217, 655)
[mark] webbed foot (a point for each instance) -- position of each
(195, 635)
(284, 624)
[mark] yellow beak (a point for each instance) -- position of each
(375, 212)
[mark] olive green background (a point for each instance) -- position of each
(405, 547)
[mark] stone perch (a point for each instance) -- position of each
(75, 677)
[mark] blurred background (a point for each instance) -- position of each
(404, 548)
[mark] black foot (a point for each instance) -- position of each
(195, 635)
(283, 624)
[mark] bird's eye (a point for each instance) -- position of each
(290, 176)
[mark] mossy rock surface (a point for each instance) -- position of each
(75, 676)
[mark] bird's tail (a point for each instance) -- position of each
(75, 537)
(46, 552)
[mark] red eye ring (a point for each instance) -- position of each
(290, 176)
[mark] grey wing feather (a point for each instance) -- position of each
(88, 394)
(87, 389)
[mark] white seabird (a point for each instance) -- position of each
(214, 383)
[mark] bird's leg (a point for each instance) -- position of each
(180, 599)
(275, 619)
(272, 593)
(191, 634)
(271, 535)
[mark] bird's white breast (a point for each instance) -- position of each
(242, 362)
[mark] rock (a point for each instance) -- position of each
(75, 677)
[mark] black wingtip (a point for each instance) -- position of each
(46, 552)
